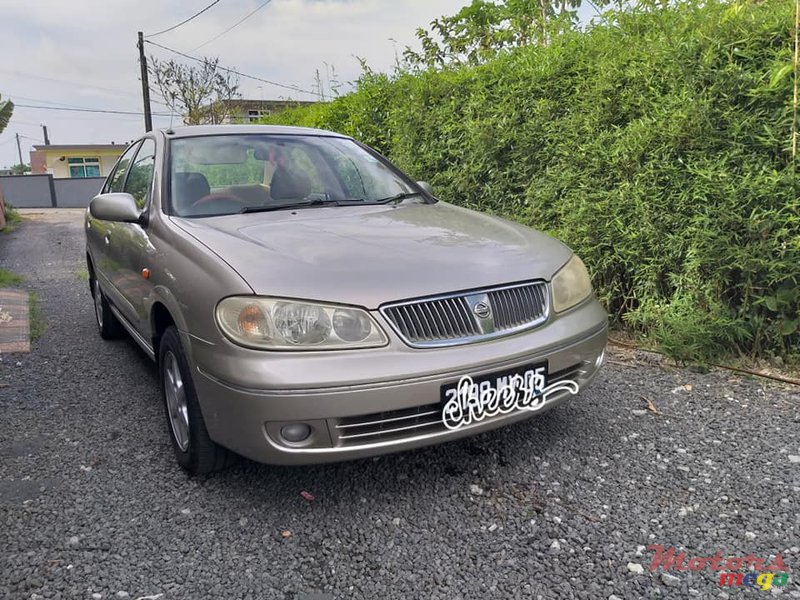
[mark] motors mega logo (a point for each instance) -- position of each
(764, 573)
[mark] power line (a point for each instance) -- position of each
(29, 99)
(119, 93)
(69, 106)
(185, 21)
(594, 6)
(234, 26)
(89, 110)
(26, 123)
(235, 72)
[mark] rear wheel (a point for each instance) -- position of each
(107, 324)
(194, 450)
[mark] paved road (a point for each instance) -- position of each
(92, 504)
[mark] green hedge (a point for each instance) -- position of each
(657, 145)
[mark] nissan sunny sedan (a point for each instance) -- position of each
(305, 301)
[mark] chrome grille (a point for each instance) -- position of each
(517, 306)
(457, 318)
(389, 425)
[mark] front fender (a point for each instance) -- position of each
(189, 280)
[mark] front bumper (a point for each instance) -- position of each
(371, 402)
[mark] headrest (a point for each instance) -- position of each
(188, 188)
(289, 185)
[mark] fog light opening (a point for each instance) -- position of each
(296, 432)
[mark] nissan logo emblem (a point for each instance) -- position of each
(482, 310)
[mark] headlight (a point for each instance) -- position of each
(277, 324)
(571, 285)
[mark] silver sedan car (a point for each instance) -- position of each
(305, 301)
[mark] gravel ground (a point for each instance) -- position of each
(562, 506)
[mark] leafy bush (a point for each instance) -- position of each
(657, 145)
(13, 218)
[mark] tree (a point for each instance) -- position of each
(20, 169)
(200, 94)
(6, 110)
(482, 29)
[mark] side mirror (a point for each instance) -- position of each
(426, 187)
(117, 207)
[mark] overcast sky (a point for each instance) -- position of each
(83, 53)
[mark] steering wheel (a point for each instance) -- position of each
(218, 197)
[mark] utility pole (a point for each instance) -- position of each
(148, 117)
(19, 151)
(46, 139)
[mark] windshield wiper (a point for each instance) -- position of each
(397, 197)
(302, 204)
(327, 202)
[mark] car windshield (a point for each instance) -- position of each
(228, 174)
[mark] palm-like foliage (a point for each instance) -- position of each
(6, 109)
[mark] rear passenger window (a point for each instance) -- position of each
(140, 179)
(117, 179)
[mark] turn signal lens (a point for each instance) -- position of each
(252, 322)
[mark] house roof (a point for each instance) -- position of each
(80, 147)
(250, 103)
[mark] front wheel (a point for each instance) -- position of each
(107, 324)
(194, 450)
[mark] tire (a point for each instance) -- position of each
(194, 450)
(107, 324)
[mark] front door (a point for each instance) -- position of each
(131, 244)
(103, 234)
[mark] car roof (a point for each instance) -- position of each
(203, 130)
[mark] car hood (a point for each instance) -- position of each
(370, 255)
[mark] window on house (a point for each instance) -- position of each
(84, 167)
(253, 115)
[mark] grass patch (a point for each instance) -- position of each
(13, 219)
(35, 318)
(9, 278)
(82, 274)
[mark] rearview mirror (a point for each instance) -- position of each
(426, 187)
(117, 207)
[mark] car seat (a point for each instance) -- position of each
(188, 188)
(289, 185)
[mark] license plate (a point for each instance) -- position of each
(528, 377)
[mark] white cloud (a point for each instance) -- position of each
(90, 48)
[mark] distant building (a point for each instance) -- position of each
(75, 160)
(249, 111)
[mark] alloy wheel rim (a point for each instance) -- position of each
(177, 408)
(98, 303)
